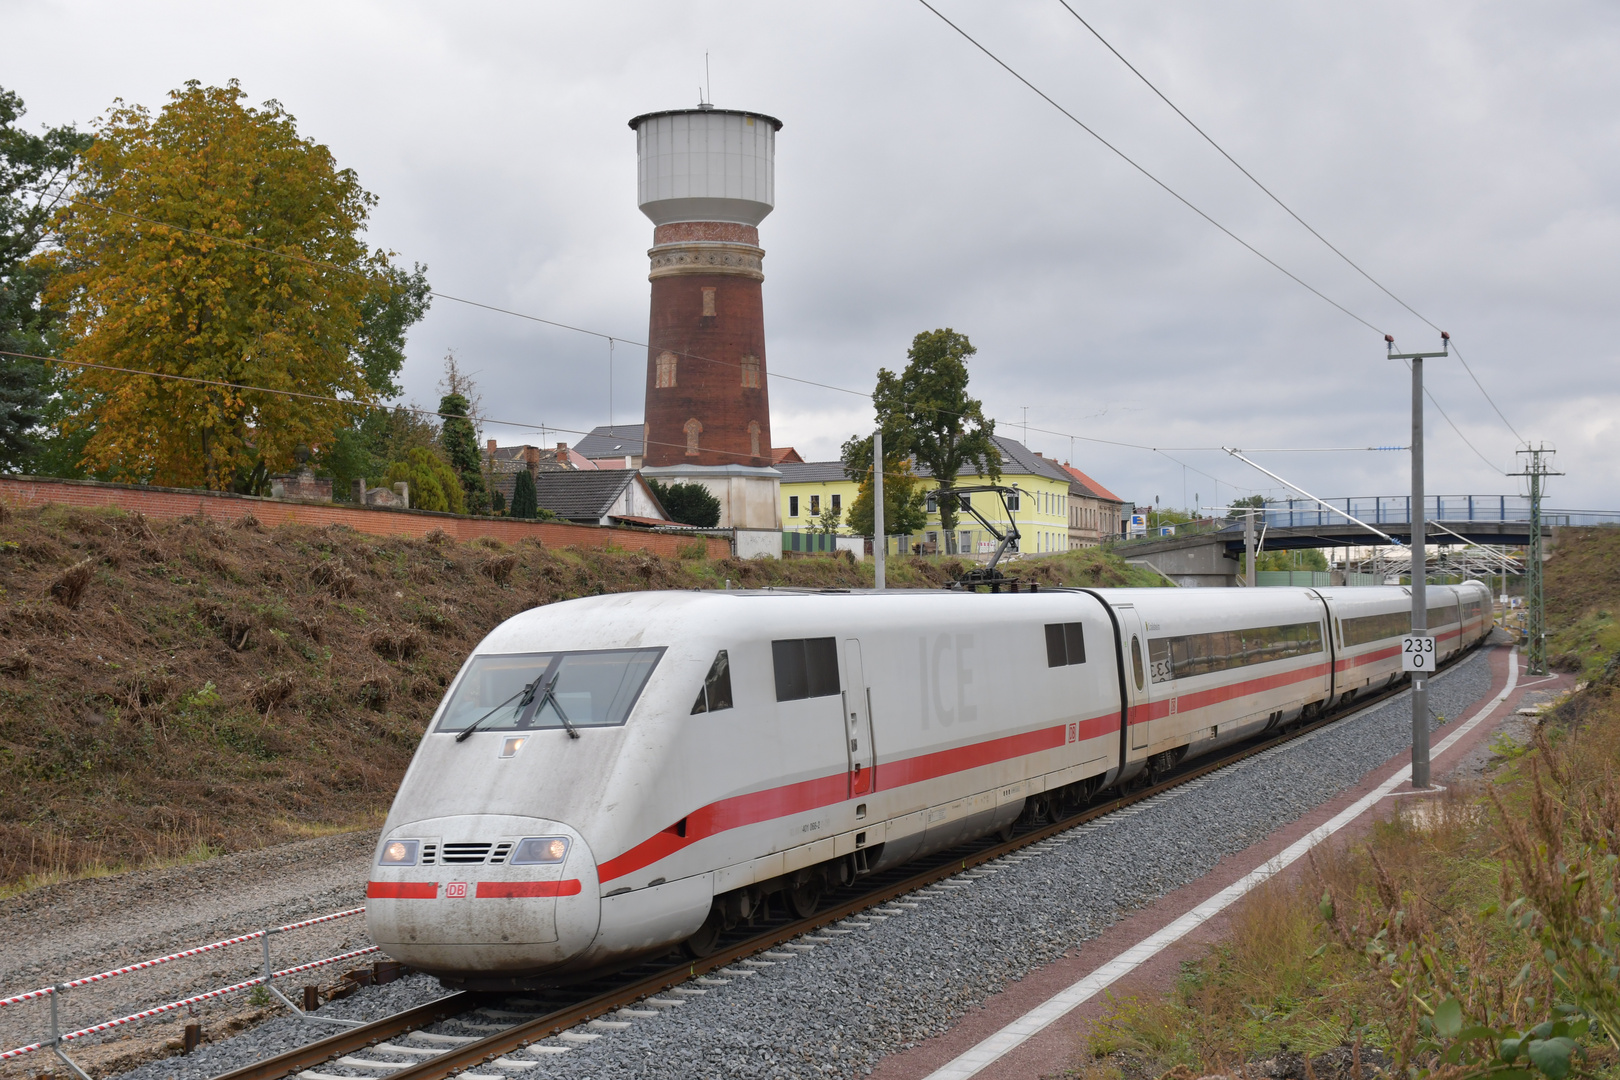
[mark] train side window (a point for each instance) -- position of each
(805, 668)
(1065, 644)
(715, 694)
(1136, 660)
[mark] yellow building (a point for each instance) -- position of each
(1040, 507)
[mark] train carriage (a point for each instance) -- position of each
(614, 775)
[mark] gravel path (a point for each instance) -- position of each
(835, 1003)
(78, 928)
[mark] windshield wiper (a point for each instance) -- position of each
(527, 693)
(573, 732)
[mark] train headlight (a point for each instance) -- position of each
(399, 853)
(539, 849)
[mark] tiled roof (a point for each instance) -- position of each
(1096, 489)
(810, 472)
(610, 442)
(582, 495)
(780, 454)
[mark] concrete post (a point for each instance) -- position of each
(880, 542)
(1248, 547)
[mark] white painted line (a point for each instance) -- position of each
(1054, 1008)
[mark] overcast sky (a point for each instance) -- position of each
(1465, 155)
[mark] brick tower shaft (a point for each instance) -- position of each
(707, 400)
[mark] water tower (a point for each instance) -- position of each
(706, 178)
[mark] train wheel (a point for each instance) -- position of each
(804, 897)
(707, 939)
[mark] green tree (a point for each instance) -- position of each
(689, 504)
(933, 419)
(459, 439)
(497, 502)
(433, 483)
(368, 447)
(35, 172)
(396, 301)
(904, 498)
(524, 503)
(1236, 511)
(829, 519)
(270, 286)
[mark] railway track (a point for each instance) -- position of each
(518, 1022)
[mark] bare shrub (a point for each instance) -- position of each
(246, 521)
(394, 644)
(334, 577)
(488, 542)
(70, 586)
(437, 536)
(375, 690)
(273, 690)
(440, 620)
(498, 569)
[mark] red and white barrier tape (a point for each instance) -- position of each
(47, 991)
(171, 1006)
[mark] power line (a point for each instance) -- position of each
(557, 324)
(1288, 209)
(1144, 171)
(1185, 202)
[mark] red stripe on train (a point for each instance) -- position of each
(401, 890)
(508, 889)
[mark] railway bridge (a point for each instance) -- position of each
(1210, 554)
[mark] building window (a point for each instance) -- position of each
(693, 430)
(666, 371)
(838, 504)
(793, 506)
(932, 505)
(753, 437)
(815, 505)
(1012, 502)
(967, 542)
(708, 303)
(750, 372)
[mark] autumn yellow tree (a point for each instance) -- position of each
(211, 241)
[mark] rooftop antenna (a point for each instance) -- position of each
(705, 99)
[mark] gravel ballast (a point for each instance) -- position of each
(878, 983)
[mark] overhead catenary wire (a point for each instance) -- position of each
(1193, 207)
(1290, 211)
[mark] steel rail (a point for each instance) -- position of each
(461, 1058)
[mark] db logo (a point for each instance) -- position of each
(456, 890)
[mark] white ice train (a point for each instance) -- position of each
(613, 776)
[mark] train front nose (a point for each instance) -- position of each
(483, 901)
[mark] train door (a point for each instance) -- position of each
(857, 720)
(1136, 674)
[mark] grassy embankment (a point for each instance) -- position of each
(1500, 896)
(171, 691)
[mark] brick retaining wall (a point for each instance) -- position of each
(169, 503)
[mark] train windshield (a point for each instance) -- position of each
(543, 690)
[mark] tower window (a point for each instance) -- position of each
(666, 370)
(753, 437)
(708, 303)
(693, 429)
(750, 372)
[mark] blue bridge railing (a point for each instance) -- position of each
(1397, 510)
